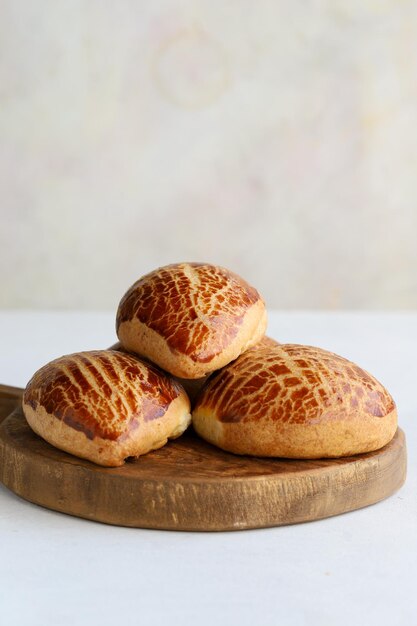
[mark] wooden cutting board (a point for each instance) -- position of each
(189, 484)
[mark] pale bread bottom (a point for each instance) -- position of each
(327, 439)
(134, 442)
(138, 338)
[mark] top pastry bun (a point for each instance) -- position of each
(191, 318)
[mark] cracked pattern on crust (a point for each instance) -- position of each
(101, 393)
(197, 308)
(293, 384)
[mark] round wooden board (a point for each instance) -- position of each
(191, 485)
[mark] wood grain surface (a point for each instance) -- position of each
(189, 484)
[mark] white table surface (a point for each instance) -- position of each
(357, 568)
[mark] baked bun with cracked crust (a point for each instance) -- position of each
(295, 401)
(190, 318)
(105, 406)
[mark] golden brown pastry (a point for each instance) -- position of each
(190, 318)
(295, 401)
(105, 406)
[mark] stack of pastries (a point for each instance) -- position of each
(192, 348)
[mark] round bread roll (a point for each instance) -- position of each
(191, 318)
(105, 406)
(295, 401)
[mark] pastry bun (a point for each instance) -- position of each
(190, 318)
(105, 406)
(295, 401)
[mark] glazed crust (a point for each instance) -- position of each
(105, 406)
(191, 318)
(295, 401)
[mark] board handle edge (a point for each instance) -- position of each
(8, 391)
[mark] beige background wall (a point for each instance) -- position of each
(276, 138)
